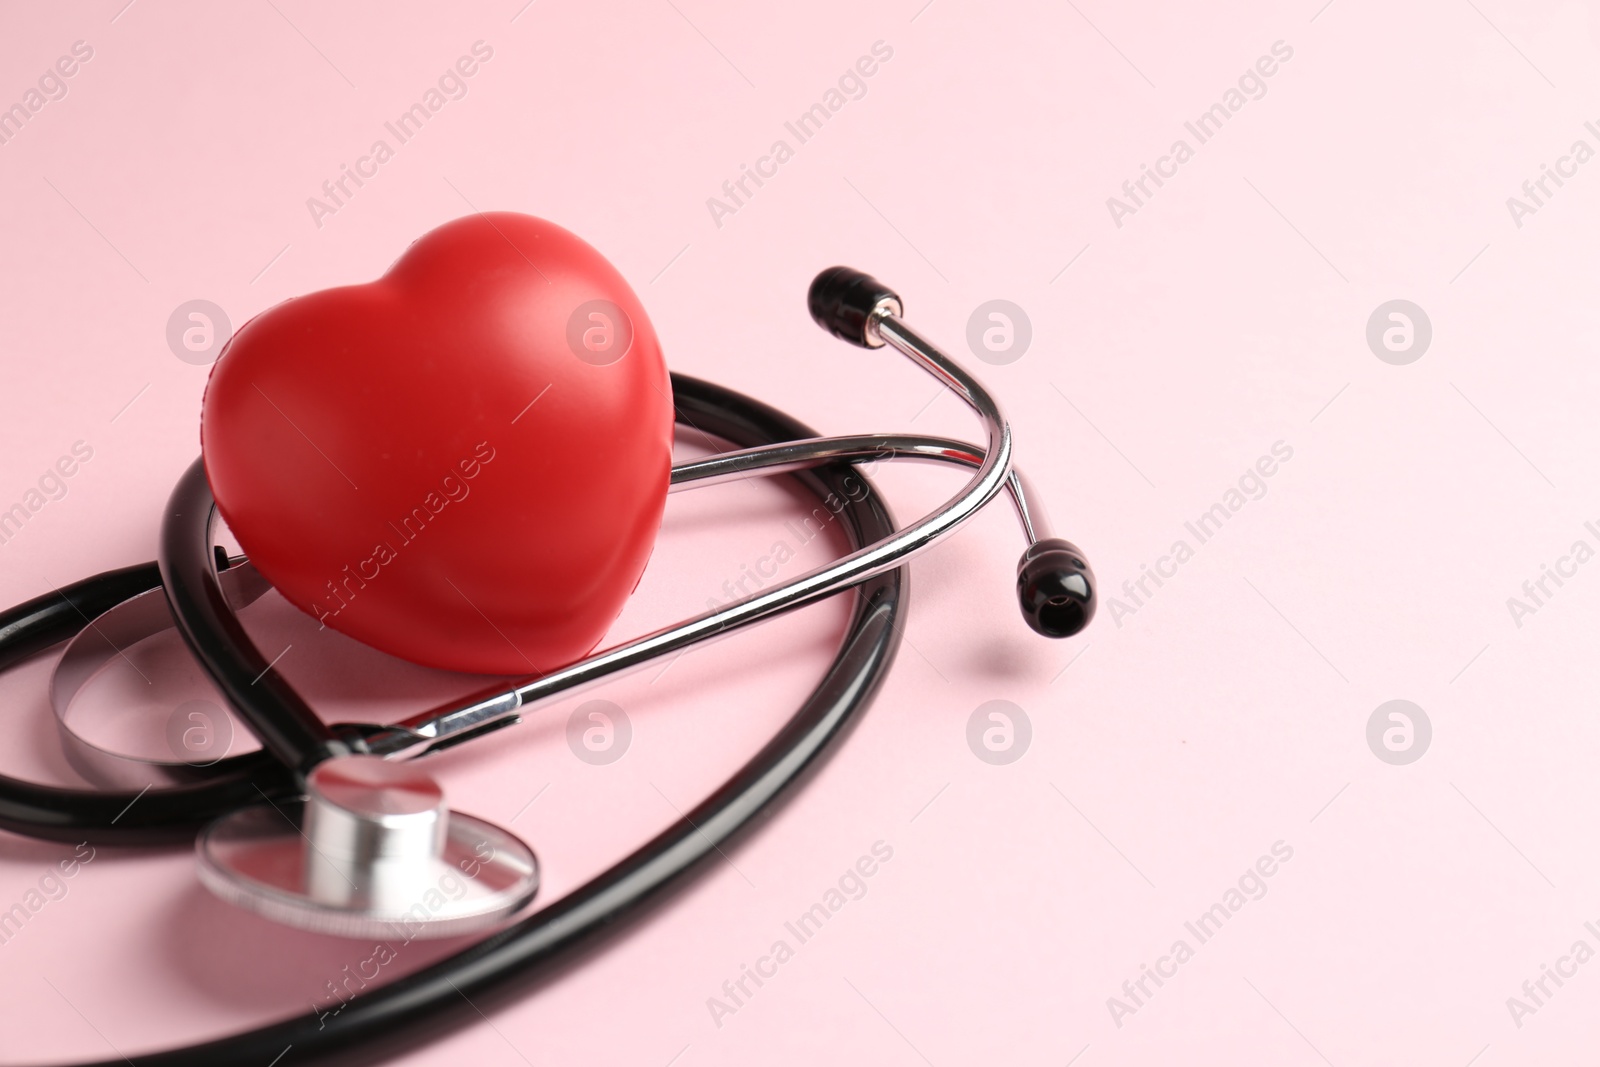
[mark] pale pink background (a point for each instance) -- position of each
(1224, 316)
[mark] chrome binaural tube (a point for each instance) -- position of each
(799, 455)
(422, 733)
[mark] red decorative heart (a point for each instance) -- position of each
(463, 463)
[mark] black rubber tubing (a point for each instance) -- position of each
(453, 992)
(154, 817)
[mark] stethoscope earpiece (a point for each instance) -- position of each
(848, 302)
(1055, 588)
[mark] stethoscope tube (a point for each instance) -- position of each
(285, 725)
(454, 991)
(119, 817)
(1055, 592)
(1054, 588)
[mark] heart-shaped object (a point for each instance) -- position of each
(463, 463)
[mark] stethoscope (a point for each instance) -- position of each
(333, 828)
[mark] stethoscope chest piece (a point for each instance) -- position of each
(375, 852)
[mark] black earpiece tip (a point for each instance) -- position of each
(1055, 588)
(842, 300)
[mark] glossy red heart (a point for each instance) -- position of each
(463, 463)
